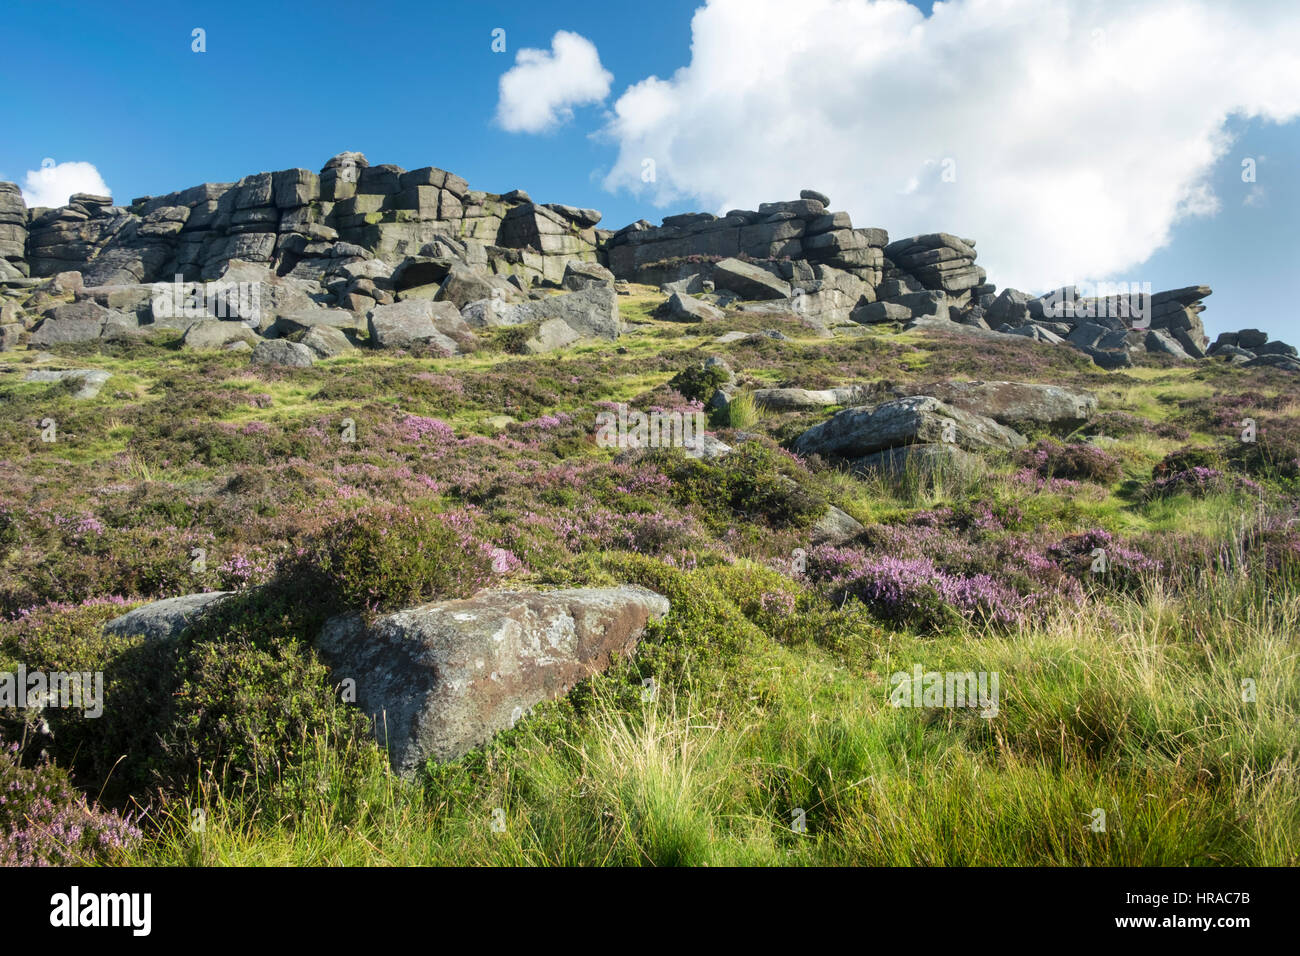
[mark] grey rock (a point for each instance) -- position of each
(579, 275)
(591, 312)
(687, 309)
(551, 335)
(442, 679)
(166, 619)
(749, 281)
(874, 313)
(1014, 404)
(798, 399)
(216, 333)
(835, 527)
(326, 342)
(92, 380)
(419, 322)
(863, 430)
(282, 352)
(926, 461)
(1159, 342)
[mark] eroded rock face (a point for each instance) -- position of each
(443, 678)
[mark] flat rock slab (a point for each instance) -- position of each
(443, 678)
(786, 399)
(92, 380)
(163, 620)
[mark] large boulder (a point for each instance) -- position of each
(464, 284)
(215, 334)
(326, 342)
(282, 352)
(419, 322)
(75, 322)
(938, 261)
(579, 275)
(1015, 404)
(749, 281)
(591, 312)
(164, 619)
(91, 380)
(686, 308)
(799, 399)
(920, 419)
(443, 678)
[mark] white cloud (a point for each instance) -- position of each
(541, 89)
(53, 183)
(1079, 132)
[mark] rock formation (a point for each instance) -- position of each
(353, 247)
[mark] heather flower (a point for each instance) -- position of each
(45, 821)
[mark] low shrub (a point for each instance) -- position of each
(1075, 462)
(45, 821)
(389, 557)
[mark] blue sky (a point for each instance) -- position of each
(417, 83)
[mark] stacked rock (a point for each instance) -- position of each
(13, 230)
(801, 229)
(938, 261)
(1251, 347)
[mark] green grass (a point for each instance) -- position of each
(1140, 715)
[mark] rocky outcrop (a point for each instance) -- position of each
(441, 679)
(13, 229)
(802, 229)
(1253, 348)
(287, 217)
(356, 237)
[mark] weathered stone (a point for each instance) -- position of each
(443, 678)
(326, 342)
(579, 275)
(798, 399)
(874, 313)
(463, 285)
(215, 333)
(926, 461)
(749, 281)
(551, 335)
(591, 312)
(282, 352)
(419, 322)
(92, 380)
(856, 432)
(1014, 404)
(166, 619)
(684, 308)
